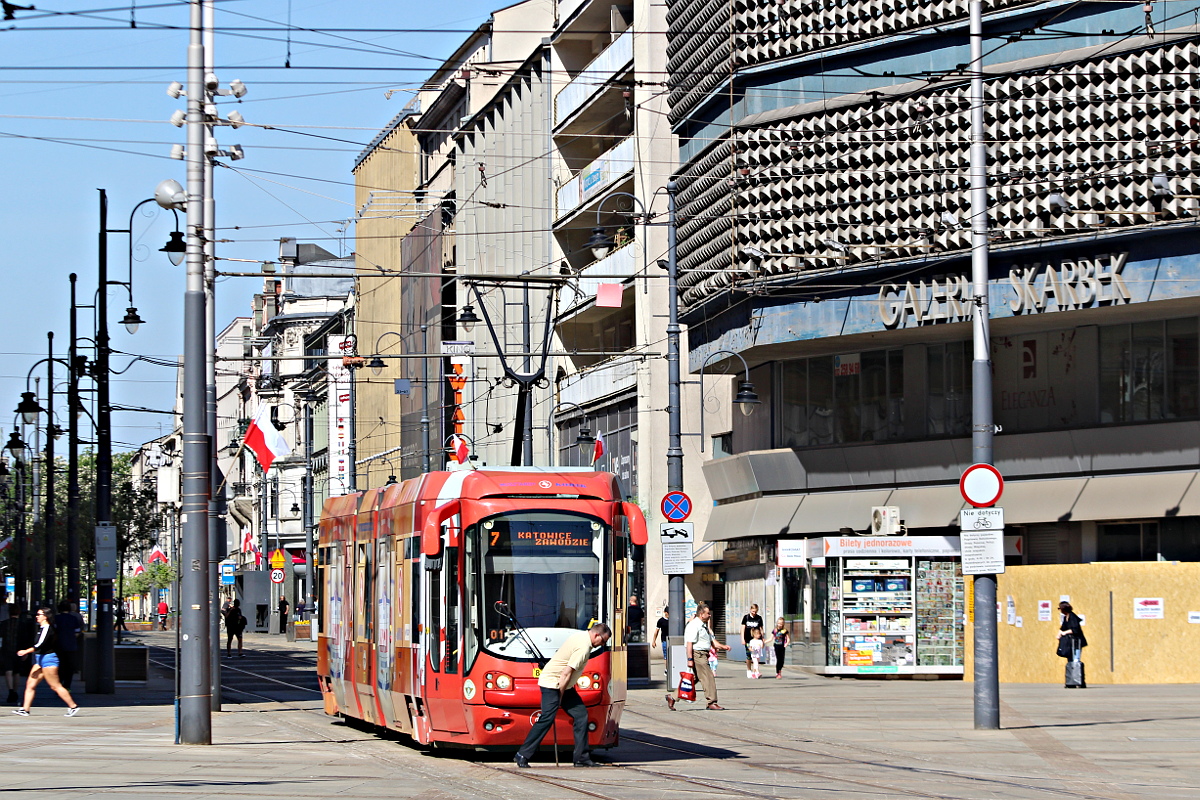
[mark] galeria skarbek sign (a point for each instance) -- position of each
(1063, 286)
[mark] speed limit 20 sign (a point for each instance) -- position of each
(276, 576)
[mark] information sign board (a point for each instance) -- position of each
(981, 541)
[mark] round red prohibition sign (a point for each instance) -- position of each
(276, 576)
(981, 485)
(676, 506)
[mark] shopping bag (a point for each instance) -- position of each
(1066, 647)
(687, 687)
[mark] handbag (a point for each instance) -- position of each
(1066, 647)
(687, 687)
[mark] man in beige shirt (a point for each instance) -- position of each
(557, 683)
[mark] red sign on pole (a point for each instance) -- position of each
(981, 485)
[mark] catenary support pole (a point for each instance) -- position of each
(425, 451)
(104, 675)
(195, 700)
(987, 682)
(51, 561)
(310, 545)
(675, 425)
(216, 519)
(73, 409)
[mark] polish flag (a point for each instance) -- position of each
(250, 546)
(158, 556)
(461, 451)
(598, 451)
(265, 440)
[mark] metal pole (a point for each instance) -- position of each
(524, 406)
(216, 521)
(22, 576)
(51, 545)
(309, 532)
(73, 457)
(674, 435)
(195, 701)
(35, 495)
(105, 675)
(987, 674)
(352, 444)
(425, 399)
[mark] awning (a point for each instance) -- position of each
(927, 506)
(832, 511)
(1039, 501)
(1132, 496)
(764, 516)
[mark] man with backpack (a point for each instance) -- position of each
(235, 624)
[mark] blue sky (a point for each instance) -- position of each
(83, 106)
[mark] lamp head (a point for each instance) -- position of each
(169, 194)
(175, 248)
(131, 320)
(601, 243)
(746, 399)
(295, 509)
(391, 481)
(28, 408)
(468, 318)
(585, 440)
(15, 445)
(376, 364)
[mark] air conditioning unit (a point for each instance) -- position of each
(885, 520)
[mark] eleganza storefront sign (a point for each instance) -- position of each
(1034, 288)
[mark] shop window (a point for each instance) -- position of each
(1149, 371)
(1128, 541)
(852, 397)
(949, 400)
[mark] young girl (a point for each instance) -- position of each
(756, 653)
(45, 665)
(782, 640)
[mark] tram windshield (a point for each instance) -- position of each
(539, 579)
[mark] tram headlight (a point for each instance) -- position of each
(584, 682)
(503, 682)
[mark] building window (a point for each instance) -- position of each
(722, 445)
(617, 423)
(1148, 371)
(949, 371)
(854, 397)
(1128, 541)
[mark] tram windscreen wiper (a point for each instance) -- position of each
(503, 610)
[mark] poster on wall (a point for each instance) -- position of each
(1147, 608)
(339, 414)
(1043, 610)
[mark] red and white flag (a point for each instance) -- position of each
(6, 544)
(598, 450)
(250, 546)
(158, 556)
(461, 451)
(264, 440)
(139, 569)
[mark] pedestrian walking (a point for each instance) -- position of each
(698, 639)
(45, 665)
(235, 625)
(756, 653)
(163, 611)
(1071, 642)
(557, 684)
(283, 614)
(635, 619)
(781, 639)
(69, 632)
(119, 625)
(749, 623)
(662, 630)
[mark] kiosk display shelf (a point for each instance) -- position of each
(893, 605)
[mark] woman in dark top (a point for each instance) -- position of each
(45, 665)
(1072, 627)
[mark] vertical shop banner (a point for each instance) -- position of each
(339, 415)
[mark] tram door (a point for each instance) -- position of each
(443, 643)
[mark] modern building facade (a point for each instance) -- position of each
(825, 235)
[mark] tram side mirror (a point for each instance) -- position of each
(637, 523)
(637, 552)
(431, 533)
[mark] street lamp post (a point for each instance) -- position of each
(584, 440)
(377, 365)
(16, 445)
(746, 399)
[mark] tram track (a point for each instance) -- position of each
(940, 779)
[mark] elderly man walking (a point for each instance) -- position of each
(698, 639)
(558, 691)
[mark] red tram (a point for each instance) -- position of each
(444, 595)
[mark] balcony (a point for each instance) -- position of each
(592, 79)
(611, 378)
(617, 263)
(593, 179)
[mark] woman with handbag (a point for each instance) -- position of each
(1071, 642)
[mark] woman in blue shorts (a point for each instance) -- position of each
(45, 665)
